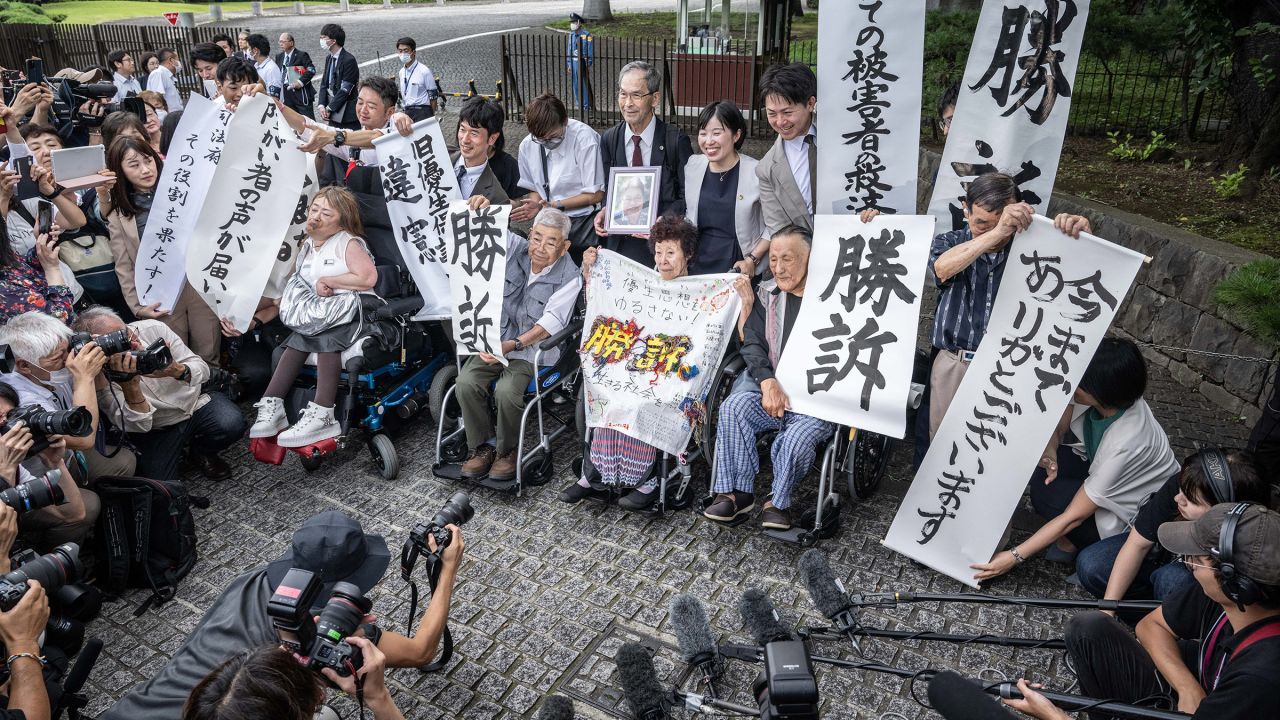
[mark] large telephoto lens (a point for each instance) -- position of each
(41, 492)
(52, 571)
(455, 512)
(343, 613)
(77, 422)
(114, 343)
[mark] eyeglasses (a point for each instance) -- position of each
(1186, 560)
(944, 124)
(623, 95)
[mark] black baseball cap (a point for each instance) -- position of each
(332, 545)
(1255, 548)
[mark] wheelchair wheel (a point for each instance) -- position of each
(311, 463)
(454, 451)
(537, 470)
(830, 525)
(706, 435)
(865, 462)
(384, 454)
(444, 378)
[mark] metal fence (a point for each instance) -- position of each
(86, 46)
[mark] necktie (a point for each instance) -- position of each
(813, 170)
(637, 160)
(462, 172)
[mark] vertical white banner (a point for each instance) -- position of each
(850, 354)
(418, 184)
(297, 232)
(1014, 100)
(1055, 303)
(477, 276)
(193, 156)
(870, 75)
(651, 346)
(236, 239)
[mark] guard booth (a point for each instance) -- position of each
(715, 61)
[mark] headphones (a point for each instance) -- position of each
(1238, 587)
(1213, 463)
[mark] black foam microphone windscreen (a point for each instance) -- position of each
(760, 618)
(84, 664)
(640, 682)
(958, 698)
(556, 707)
(692, 628)
(822, 585)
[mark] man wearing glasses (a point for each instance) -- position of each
(643, 140)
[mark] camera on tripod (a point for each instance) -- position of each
(455, 512)
(154, 358)
(786, 689)
(318, 644)
(43, 423)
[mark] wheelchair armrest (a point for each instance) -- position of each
(565, 333)
(398, 307)
(733, 366)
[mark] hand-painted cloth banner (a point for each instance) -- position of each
(237, 237)
(477, 276)
(849, 357)
(418, 183)
(297, 232)
(871, 63)
(1056, 300)
(1014, 100)
(193, 156)
(650, 347)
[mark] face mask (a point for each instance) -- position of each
(324, 45)
(61, 378)
(160, 114)
(405, 58)
(574, 26)
(550, 144)
(178, 67)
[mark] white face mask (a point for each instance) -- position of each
(61, 378)
(324, 44)
(405, 58)
(177, 67)
(574, 26)
(160, 114)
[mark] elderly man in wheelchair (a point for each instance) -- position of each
(542, 286)
(758, 404)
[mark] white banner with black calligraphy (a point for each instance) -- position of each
(651, 347)
(418, 183)
(296, 233)
(1014, 99)
(237, 238)
(870, 75)
(477, 276)
(193, 156)
(855, 337)
(1055, 303)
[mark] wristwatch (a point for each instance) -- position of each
(57, 190)
(519, 345)
(560, 205)
(339, 138)
(186, 374)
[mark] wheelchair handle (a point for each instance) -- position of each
(400, 306)
(565, 333)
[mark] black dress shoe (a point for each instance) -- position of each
(576, 493)
(636, 500)
(211, 466)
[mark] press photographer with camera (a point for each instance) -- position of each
(50, 372)
(47, 523)
(154, 393)
(20, 629)
(334, 548)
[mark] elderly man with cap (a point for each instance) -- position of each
(330, 544)
(1213, 649)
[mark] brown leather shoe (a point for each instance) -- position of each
(773, 518)
(504, 468)
(477, 466)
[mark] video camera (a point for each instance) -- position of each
(318, 644)
(43, 423)
(154, 358)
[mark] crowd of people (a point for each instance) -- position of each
(1117, 504)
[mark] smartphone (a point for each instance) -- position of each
(137, 106)
(35, 70)
(44, 218)
(27, 188)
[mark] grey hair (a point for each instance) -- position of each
(33, 335)
(651, 77)
(289, 35)
(553, 218)
(88, 320)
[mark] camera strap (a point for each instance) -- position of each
(408, 557)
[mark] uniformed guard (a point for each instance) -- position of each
(579, 55)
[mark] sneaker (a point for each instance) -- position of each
(504, 468)
(772, 518)
(271, 418)
(636, 500)
(317, 423)
(576, 493)
(1056, 554)
(477, 466)
(728, 506)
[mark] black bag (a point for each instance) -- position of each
(147, 536)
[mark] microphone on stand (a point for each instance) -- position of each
(828, 595)
(639, 681)
(693, 635)
(959, 698)
(761, 618)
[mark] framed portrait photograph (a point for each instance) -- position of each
(633, 200)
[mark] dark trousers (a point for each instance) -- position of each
(301, 108)
(630, 246)
(211, 429)
(419, 112)
(1110, 663)
(1051, 500)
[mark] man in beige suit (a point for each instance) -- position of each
(787, 172)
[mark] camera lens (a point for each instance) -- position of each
(455, 512)
(41, 492)
(77, 422)
(343, 613)
(52, 571)
(114, 343)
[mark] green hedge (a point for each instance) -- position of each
(20, 12)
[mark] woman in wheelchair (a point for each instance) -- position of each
(623, 461)
(334, 261)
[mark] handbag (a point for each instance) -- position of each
(582, 229)
(304, 311)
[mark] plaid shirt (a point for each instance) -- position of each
(965, 300)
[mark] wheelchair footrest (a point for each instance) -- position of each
(447, 471)
(265, 450)
(793, 535)
(317, 449)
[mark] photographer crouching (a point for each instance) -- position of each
(153, 391)
(310, 602)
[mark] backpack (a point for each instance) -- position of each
(147, 536)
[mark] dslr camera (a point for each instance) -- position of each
(455, 512)
(52, 571)
(786, 689)
(323, 643)
(39, 493)
(154, 358)
(43, 423)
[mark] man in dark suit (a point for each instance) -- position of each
(298, 93)
(336, 103)
(643, 140)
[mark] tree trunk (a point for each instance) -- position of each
(1255, 118)
(596, 10)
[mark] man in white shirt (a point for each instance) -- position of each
(268, 72)
(123, 69)
(417, 83)
(161, 79)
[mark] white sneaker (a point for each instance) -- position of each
(317, 423)
(271, 418)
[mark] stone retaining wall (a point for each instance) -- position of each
(1171, 302)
